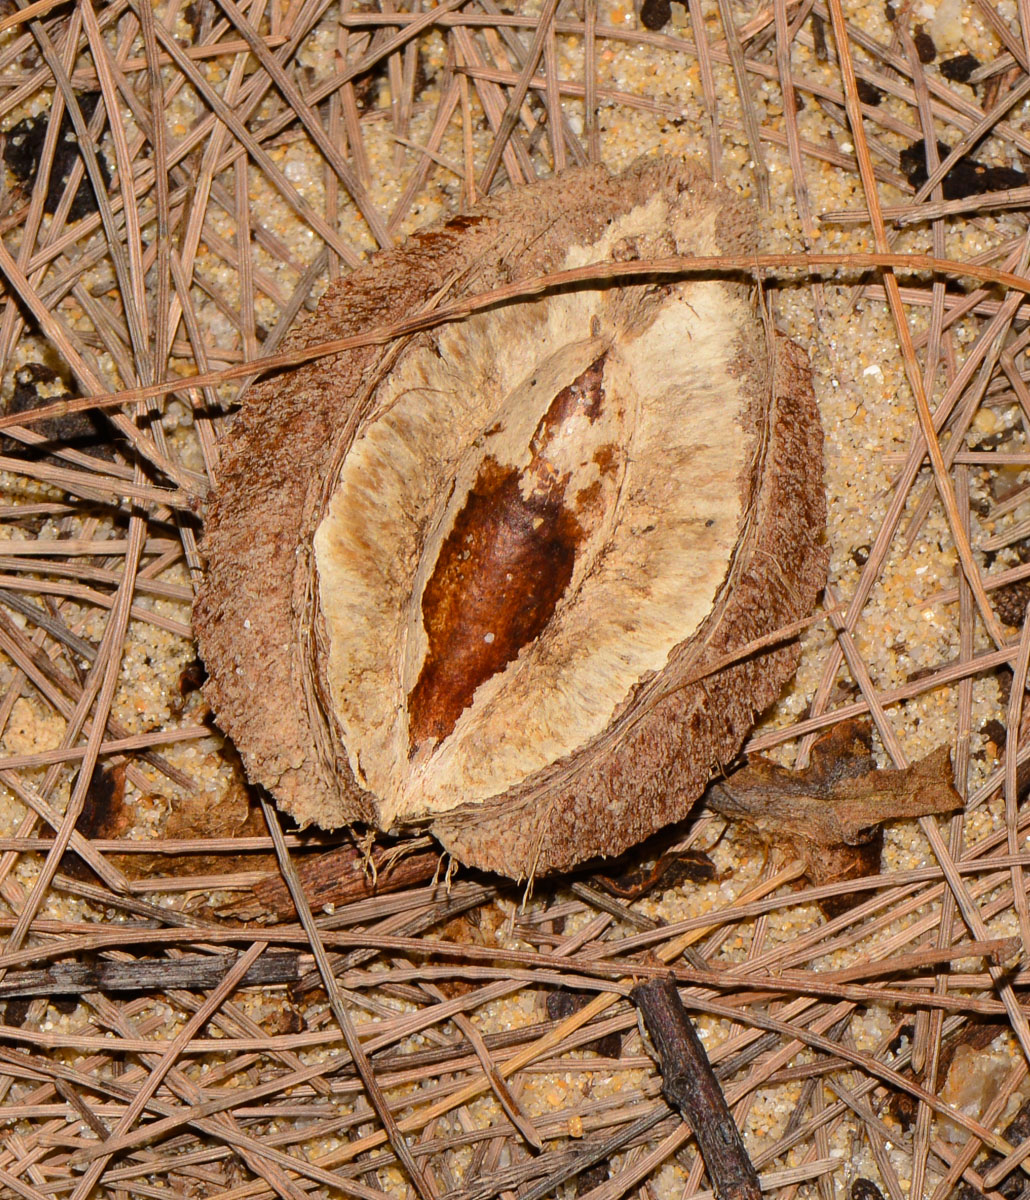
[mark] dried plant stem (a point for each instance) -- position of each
(690, 1084)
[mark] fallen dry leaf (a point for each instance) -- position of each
(830, 814)
(970, 1040)
(233, 816)
(232, 813)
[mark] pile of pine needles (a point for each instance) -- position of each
(180, 182)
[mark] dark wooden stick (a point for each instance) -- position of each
(197, 971)
(689, 1083)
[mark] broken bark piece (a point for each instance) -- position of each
(194, 971)
(830, 814)
(460, 581)
(689, 1083)
(338, 876)
(23, 149)
(966, 178)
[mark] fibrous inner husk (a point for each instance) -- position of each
(539, 507)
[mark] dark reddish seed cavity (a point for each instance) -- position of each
(501, 571)
(497, 581)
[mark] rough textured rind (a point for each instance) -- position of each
(257, 617)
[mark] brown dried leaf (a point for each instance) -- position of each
(197, 817)
(284, 1019)
(482, 926)
(233, 813)
(830, 814)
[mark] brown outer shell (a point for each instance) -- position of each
(255, 617)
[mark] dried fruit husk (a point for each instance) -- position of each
(462, 580)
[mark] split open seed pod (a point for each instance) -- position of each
(465, 579)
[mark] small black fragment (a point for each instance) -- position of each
(924, 45)
(655, 13)
(865, 1189)
(422, 72)
(366, 86)
(959, 68)
(23, 147)
(563, 1002)
(860, 555)
(1010, 602)
(905, 1032)
(995, 731)
(890, 12)
(868, 93)
(192, 677)
(102, 816)
(919, 673)
(966, 178)
(36, 385)
(16, 1011)
(592, 1178)
(819, 38)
